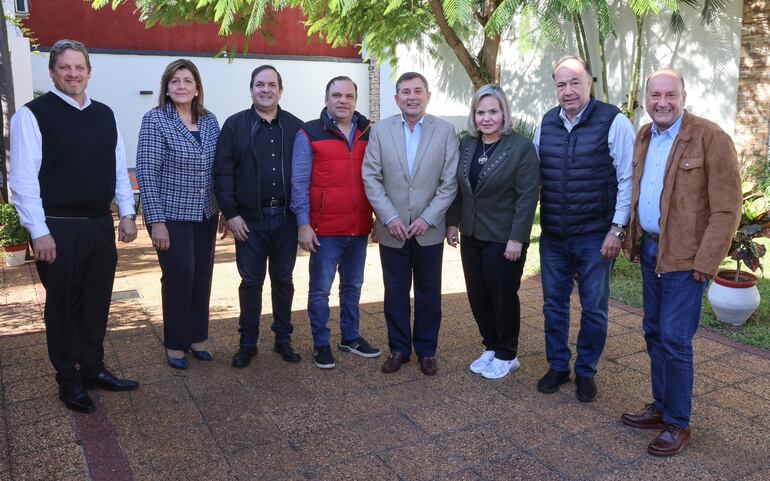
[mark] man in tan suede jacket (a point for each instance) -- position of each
(686, 205)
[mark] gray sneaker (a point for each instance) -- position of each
(360, 347)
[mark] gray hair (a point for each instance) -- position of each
(66, 44)
(496, 92)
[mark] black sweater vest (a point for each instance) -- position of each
(77, 174)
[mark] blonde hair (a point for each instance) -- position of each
(496, 92)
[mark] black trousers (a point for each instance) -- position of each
(399, 268)
(187, 268)
(78, 288)
(493, 283)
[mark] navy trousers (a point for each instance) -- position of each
(421, 264)
(187, 268)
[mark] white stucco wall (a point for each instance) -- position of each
(117, 80)
(21, 63)
(708, 60)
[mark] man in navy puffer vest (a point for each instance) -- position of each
(585, 149)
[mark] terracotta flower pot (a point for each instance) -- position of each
(734, 301)
(15, 256)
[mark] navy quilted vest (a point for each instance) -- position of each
(579, 183)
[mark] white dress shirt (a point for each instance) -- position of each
(27, 157)
(620, 140)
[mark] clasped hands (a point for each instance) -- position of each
(401, 232)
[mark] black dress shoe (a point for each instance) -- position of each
(585, 390)
(243, 357)
(76, 399)
(550, 383)
(107, 381)
(287, 352)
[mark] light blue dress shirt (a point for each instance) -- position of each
(653, 175)
(620, 140)
(412, 140)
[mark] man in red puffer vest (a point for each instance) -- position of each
(334, 217)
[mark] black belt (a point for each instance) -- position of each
(273, 203)
(652, 237)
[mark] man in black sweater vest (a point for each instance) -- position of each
(67, 164)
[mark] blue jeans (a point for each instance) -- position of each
(672, 303)
(274, 237)
(346, 255)
(561, 260)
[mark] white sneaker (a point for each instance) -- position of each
(498, 368)
(482, 362)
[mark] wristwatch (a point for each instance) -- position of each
(618, 231)
(130, 217)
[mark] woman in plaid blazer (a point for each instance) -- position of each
(174, 167)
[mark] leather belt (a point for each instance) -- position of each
(652, 237)
(273, 203)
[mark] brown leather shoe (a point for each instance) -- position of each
(428, 366)
(670, 442)
(393, 363)
(650, 418)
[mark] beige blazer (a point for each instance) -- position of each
(427, 193)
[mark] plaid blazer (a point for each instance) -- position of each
(174, 171)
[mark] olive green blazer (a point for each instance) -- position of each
(503, 205)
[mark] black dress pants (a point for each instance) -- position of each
(493, 283)
(187, 268)
(78, 288)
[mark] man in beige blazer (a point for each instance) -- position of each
(409, 174)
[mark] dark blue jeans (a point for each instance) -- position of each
(273, 238)
(346, 255)
(672, 303)
(561, 259)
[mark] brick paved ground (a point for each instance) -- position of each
(275, 421)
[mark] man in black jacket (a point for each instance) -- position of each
(252, 181)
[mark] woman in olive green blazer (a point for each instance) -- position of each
(498, 180)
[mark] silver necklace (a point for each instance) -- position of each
(485, 153)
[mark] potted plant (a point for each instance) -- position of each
(734, 295)
(13, 237)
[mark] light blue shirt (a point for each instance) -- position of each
(653, 175)
(412, 140)
(620, 140)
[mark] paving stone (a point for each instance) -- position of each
(54, 463)
(477, 444)
(368, 467)
(39, 436)
(26, 391)
(518, 467)
(267, 462)
(758, 386)
(303, 418)
(738, 401)
(573, 459)
(527, 429)
(386, 432)
(329, 446)
(244, 431)
(422, 461)
(659, 469)
(30, 354)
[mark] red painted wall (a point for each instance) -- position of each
(51, 20)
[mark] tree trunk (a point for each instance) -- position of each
(478, 75)
(603, 61)
(633, 88)
(6, 105)
(580, 32)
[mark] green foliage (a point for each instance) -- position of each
(755, 223)
(12, 234)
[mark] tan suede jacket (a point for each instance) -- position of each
(700, 206)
